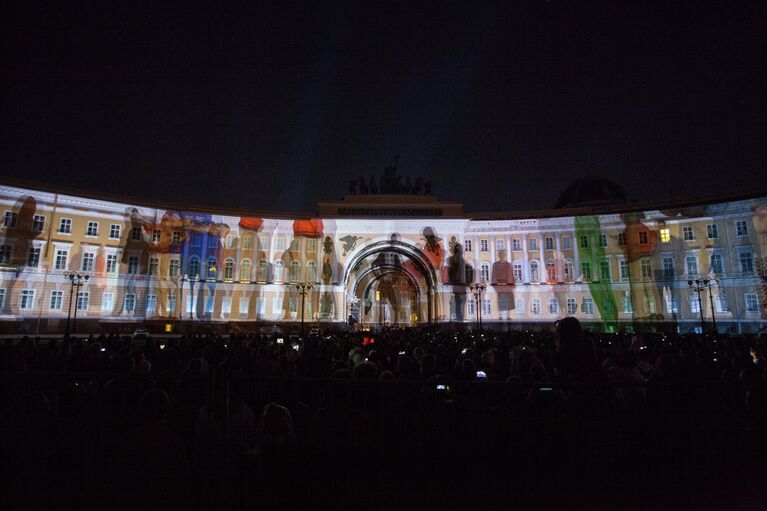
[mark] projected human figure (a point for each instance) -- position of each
(19, 226)
(458, 278)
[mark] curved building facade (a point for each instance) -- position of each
(374, 260)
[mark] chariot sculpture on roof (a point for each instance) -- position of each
(390, 183)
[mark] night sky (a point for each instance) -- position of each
(276, 105)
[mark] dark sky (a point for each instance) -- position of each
(276, 105)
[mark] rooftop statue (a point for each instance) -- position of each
(390, 183)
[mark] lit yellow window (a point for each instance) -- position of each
(665, 236)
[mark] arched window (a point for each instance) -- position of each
(278, 271)
(517, 271)
(485, 272)
(534, 277)
(193, 268)
(229, 269)
(295, 271)
(263, 271)
(245, 270)
(311, 271)
(551, 271)
(212, 268)
(568, 270)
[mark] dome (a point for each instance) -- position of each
(592, 191)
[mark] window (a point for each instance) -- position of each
(553, 306)
(644, 239)
(470, 310)
(295, 271)
(572, 308)
(503, 303)
(551, 271)
(672, 304)
(517, 267)
(212, 268)
(244, 304)
(191, 303)
(230, 241)
(107, 301)
(156, 236)
(10, 219)
(263, 243)
(484, 272)
(280, 244)
(209, 303)
(746, 262)
(467, 246)
(687, 233)
(196, 240)
(549, 243)
(534, 271)
(154, 266)
(604, 269)
(263, 271)
(311, 245)
(295, 244)
(567, 242)
(56, 298)
(135, 233)
(532, 244)
(588, 305)
(741, 228)
(245, 270)
(721, 302)
(603, 240)
(536, 306)
(38, 223)
(668, 266)
(193, 269)
(311, 271)
(487, 308)
(151, 303)
(691, 263)
(93, 229)
(483, 245)
(247, 242)
(586, 270)
(278, 271)
(26, 299)
(174, 268)
(130, 302)
(584, 241)
(33, 258)
(499, 245)
(171, 303)
(716, 263)
(175, 236)
(114, 231)
(111, 263)
(712, 231)
(229, 269)
(665, 235)
(645, 268)
(516, 244)
(2, 298)
(519, 306)
(88, 260)
(61, 259)
(212, 241)
(83, 297)
(132, 265)
(65, 226)
(569, 270)
(5, 254)
(621, 239)
(226, 305)
(694, 303)
(628, 305)
(625, 269)
(277, 304)
(649, 304)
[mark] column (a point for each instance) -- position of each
(576, 258)
(525, 260)
(542, 263)
(559, 258)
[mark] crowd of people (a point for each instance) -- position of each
(230, 421)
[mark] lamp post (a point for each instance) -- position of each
(697, 285)
(76, 279)
(477, 289)
(303, 288)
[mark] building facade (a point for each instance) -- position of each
(379, 260)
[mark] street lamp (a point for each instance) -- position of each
(697, 285)
(76, 279)
(303, 288)
(477, 289)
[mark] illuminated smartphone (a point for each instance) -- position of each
(441, 387)
(463, 351)
(481, 374)
(545, 389)
(280, 340)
